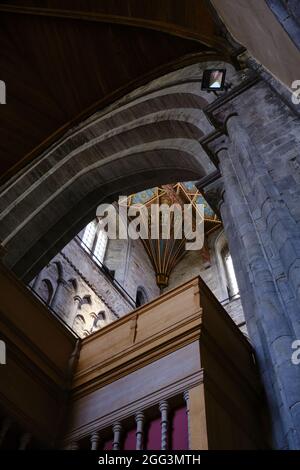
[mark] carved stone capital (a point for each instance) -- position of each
(214, 194)
(223, 108)
(214, 143)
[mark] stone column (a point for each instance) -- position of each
(269, 212)
(163, 408)
(271, 330)
(264, 240)
(95, 439)
(117, 429)
(139, 419)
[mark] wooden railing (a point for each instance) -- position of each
(163, 426)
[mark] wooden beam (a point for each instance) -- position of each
(170, 28)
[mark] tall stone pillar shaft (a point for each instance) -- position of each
(278, 230)
(272, 326)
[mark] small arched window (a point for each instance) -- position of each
(95, 240)
(232, 285)
(89, 235)
(141, 297)
(100, 246)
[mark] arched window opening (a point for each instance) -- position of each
(232, 285)
(141, 297)
(89, 235)
(100, 246)
(95, 240)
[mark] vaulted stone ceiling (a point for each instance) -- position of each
(62, 60)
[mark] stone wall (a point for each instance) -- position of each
(75, 287)
(132, 267)
(287, 13)
(212, 274)
(87, 298)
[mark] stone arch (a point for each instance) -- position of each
(150, 137)
(60, 270)
(141, 296)
(46, 290)
(79, 324)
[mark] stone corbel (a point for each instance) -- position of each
(213, 193)
(211, 186)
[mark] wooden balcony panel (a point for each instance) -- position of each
(150, 332)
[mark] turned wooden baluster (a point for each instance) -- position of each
(139, 419)
(186, 397)
(163, 408)
(95, 439)
(117, 429)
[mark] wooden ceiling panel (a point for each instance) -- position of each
(62, 60)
